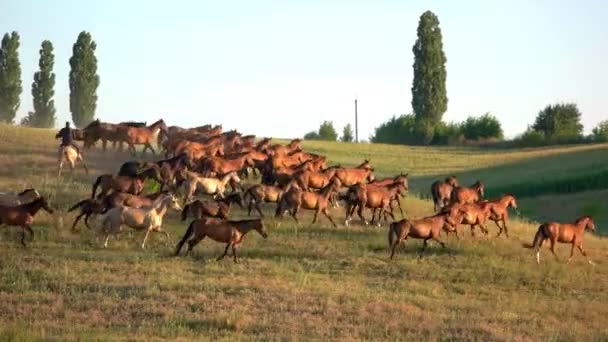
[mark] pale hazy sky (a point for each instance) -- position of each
(279, 68)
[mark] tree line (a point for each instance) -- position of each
(555, 124)
(83, 82)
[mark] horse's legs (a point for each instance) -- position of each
(440, 242)
(234, 253)
(473, 230)
(143, 244)
(76, 221)
(483, 229)
(86, 220)
(294, 213)
(580, 248)
(571, 253)
(360, 213)
(399, 205)
(504, 225)
(424, 244)
(553, 240)
(257, 207)
(329, 217)
(314, 219)
(193, 242)
(225, 252)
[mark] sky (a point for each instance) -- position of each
(280, 68)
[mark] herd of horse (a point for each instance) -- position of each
(204, 171)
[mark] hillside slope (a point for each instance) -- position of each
(306, 282)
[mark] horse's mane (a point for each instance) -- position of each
(582, 218)
(93, 123)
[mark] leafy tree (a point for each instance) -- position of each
(312, 135)
(483, 127)
(560, 122)
(429, 96)
(397, 130)
(83, 80)
(600, 132)
(447, 133)
(327, 131)
(347, 134)
(42, 90)
(10, 77)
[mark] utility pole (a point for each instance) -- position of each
(356, 123)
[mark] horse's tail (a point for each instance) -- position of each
(185, 212)
(540, 235)
(77, 205)
(181, 243)
(95, 185)
(435, 194)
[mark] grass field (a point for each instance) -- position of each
(305, 282)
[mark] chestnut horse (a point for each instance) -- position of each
(442, 192)
(428, 228)
(23, 215)
(564, 233)
(352, 176)
(500, 212)
(141, 136)
(231, 233)
(296, 198)
(463, 194)
(261, 193)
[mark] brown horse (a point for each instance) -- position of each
(132, 185)
(23, 215)
(500, 212)
(101, 130)
(473, 214)
(88, 207)
(261, 193)
(442, 192)
(296, 198)
(428, 228)
(564, 233)
(352, 176)
(229, 232)
(124, 199)
(220, 208)
(402, 179)
(141, 135)
(376, 197)
(463, 194)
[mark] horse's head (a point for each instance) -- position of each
(234, 177)
(452, 180)
(479, 186)
(587, 221)
(402, 178)
(44, 204)
(173, 202)
(260, 228)
(365, 165)
(510, 199)
(370, 175)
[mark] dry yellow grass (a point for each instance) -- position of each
(306, 282)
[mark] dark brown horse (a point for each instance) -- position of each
(219, 208)
(442, 192)
(23, 215)
(571, 233)
(229, 232)
(428, 228)
(132, 185)
(87, 208)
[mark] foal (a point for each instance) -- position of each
(23, 215)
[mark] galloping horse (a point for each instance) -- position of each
(564, 233)
(500, 213)
(220, 208)
(132, 185)
(141, 136)
(261, 193)
(296, 198)
(150, 219)
(23, 215)
(88, 207)
(229, 232)
(428, 228)
(442, 191)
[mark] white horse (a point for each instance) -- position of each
(148, 218)
(13, 200)
(209, 185)
(71, 155)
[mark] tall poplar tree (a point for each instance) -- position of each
(43, 90)
(10, 77)
(83, 80)
(429, 97)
